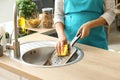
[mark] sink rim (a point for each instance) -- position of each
(79, 52)
(62, 65)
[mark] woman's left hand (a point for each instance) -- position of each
(84, 29)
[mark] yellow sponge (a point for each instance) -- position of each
(65, 52)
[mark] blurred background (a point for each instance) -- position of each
(6, 8)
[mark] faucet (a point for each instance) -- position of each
(16, 44)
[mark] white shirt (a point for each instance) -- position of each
(108, 15)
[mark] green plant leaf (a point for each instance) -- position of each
(0, 37)
(26, 8)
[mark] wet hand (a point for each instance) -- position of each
(60, 44)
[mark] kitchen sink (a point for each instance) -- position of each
(36, 54)
(51, 33)
(25, 32)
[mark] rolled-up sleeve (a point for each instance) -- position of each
(59, 13)
(109, 11)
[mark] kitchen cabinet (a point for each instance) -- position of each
(7, 75)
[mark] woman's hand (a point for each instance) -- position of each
(84, 29)
(61, 37)
(60, 44)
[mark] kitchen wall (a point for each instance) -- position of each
(6, 10)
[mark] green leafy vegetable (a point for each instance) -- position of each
(26, 8)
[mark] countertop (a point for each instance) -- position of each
(97, 64)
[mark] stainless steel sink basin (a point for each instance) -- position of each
(51, 33)
(38, 56)
(26, 32)
(37, 53)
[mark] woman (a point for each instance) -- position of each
(85, 16)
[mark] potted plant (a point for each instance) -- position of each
(1, 47)
(27, 9)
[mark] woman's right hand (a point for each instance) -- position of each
(60, 44)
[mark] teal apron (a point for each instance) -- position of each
(78, 12)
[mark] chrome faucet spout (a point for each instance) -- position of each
(15, 23)
(16, 44)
